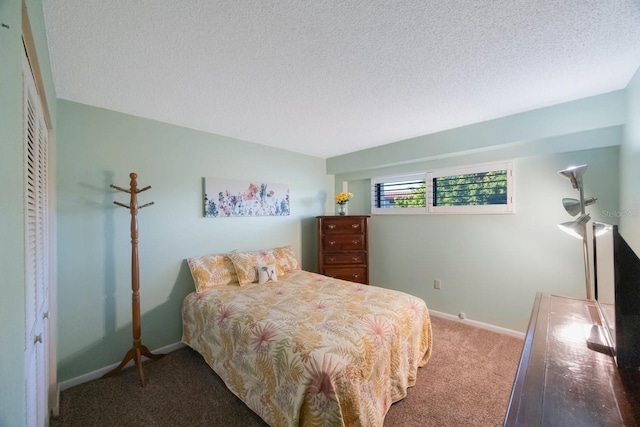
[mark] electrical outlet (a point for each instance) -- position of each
(437, 284)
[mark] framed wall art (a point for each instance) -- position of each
(226, 197)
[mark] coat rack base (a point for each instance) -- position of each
(135, 353)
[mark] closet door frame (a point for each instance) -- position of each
(46, 316)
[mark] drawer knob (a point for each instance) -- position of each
(355, 225)
(356, 275)
(355, 242)
(331, 259)
(332, 242)
(331, 226)
(355, 258)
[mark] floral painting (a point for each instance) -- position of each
(224, 197)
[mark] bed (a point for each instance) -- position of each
(305, 349)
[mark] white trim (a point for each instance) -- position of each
(428, 176)
(480, 325)
(37, 216)
(33, 64)
(94, 375)
(399, 178)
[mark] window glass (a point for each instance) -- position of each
(486, 188)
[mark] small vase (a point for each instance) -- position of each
(342, 210)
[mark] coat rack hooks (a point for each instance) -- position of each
(138, 350)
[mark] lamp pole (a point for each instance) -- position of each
(587, 272)
(585, 243)
(579, 227)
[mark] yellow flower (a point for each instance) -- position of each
(342, 198)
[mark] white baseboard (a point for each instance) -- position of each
(100, 372)
(477, 324)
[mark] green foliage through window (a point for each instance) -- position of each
(417, 198)
(486, 188)
(401, 194)
(476, 189)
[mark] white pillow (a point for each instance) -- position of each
(266, 273)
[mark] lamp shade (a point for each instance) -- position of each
(572, 206)
(576, 228)
(574, 173)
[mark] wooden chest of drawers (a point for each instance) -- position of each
(343, 247)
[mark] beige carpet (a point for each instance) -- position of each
(467, 382)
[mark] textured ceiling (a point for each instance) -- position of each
(328, 77)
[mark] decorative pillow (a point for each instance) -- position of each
(246, 262)
(285, 260)
(211, 271)
(267, 273)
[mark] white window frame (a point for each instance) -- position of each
(422, 176)
(508, 208)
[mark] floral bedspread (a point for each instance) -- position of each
(311, 350)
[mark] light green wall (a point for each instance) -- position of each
(96, 148)
(12, 329)
(629, 171)
(530, 131)
(491, 266)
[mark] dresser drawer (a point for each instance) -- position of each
(345, 258)
(340, 242)
(352, 274)
(342, 225)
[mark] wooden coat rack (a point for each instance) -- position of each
(138, 350)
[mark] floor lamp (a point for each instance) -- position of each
(578, 227)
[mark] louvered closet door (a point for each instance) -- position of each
(36, 214)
